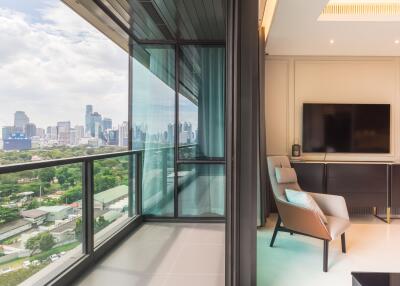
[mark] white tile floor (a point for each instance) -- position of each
(372, 245)
(163, 255)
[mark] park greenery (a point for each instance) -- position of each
(26, 190)
(55, 185)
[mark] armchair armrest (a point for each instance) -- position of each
(302, 220)
(331, 205)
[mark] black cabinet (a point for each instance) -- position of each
(362, 185)
(310, 176)
(395, 187)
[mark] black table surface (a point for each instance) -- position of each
(375, 279)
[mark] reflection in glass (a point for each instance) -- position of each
(113, 200)
(153, 117)
(201, 190)
(202, 102)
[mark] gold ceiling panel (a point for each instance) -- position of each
(361, 11)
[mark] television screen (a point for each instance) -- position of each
(346, 128)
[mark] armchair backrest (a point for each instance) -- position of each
(279, 189)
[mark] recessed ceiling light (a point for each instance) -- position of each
(331, 41)
(397, 42)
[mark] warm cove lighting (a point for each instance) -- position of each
(268, 16)
(362, 10)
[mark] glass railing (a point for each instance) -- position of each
(54, 213)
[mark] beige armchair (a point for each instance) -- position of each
(300, 220)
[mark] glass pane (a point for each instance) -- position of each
(153, 109)
(114, 195)
(202, 102)
(40, 223)
(64, 85)
(201, 190)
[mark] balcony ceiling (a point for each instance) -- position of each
(155, 20)
(296, 30)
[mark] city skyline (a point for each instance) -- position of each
(38, 70)
(97, 131)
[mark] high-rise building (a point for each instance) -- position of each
(80, 131)
(123, 133)
(40, 132)
(113, 137)
(20, 120)
(97, 130)
(73, 137)
(96, 121)
(170, 135)
(63, 132)
(30, 130)
(51, 133)
(107, 123)
(88, 119)
(7, 131)
(17, 141)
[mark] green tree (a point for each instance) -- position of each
(72, 195)
(32, 244)
(8, 214)
(47, 175)
(46, 241)
(104, 182)
(43, 241)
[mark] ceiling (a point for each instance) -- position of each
(295, 30)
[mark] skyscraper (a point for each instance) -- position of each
(113, 137)
(123, 134)
(96, 124)
(52, 133)
(88, 119)
(30, 130)
(20, 120)
(170, 135)
(107, 123)
(80, 131)
(40, 132)
(7, 131)
(63, 132)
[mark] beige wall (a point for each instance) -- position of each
(292, 81)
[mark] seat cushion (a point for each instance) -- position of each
(336, 226)
(303, 199)
(285, 175)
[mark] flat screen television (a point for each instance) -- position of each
(346, 128)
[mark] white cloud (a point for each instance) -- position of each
(52, 68)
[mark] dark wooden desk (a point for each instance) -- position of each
(375, 279)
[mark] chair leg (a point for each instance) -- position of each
(343, 238)
(326, 248)
(278, 224)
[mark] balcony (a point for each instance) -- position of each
(166, 254)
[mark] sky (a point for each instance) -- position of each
(53, 63)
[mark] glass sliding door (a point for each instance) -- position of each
(153, 125)
(182, 132)
(201, 189)
(201, 186)
(202, 102)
